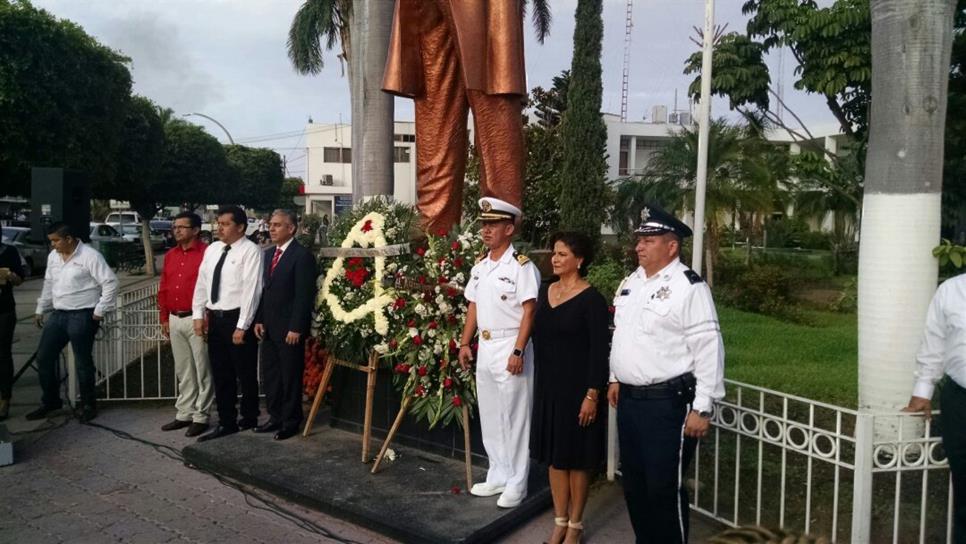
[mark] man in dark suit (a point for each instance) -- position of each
(282, 323)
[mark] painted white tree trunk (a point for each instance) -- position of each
(911, 44)
(372, 109)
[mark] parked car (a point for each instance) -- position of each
(102, 232)
(164, 227)
(123, 218)
(132, 233)
(32, 252)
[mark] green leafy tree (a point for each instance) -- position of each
(139, 160)
(63, 97)
(291, 188)
(256, 174)
(954, 164)
(195, 170)
(583, 194)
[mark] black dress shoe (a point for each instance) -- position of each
(41, 413)
(175, 425)
(245, 423)
(217, 433)
(195, 429)
(86, 413)
(268, 427)
(285, 434)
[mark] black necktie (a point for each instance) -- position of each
(216, 279)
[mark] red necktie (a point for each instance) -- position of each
(278, 255)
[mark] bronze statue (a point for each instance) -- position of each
(451, 56)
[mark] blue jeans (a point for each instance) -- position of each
(77, 327)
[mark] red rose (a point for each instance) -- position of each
(411, 323)
(402, 368)
(422, 370)
(419, 391)
(441, 232)
(355, 261)
(458, 262)
(448, 383)
(420, 251)
(455, 246)
(393, 344)
(417, 340)
(432, 325)
(421, 279)
(452, 345)
(443, 279)
(457, 401)
(400, 303)
(367, 226)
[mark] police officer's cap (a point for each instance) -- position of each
(494, 209)
(655, 221)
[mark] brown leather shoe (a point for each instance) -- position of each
(194, 429)
(175, 425)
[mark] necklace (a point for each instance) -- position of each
(563, 291)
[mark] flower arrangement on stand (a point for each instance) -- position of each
(314, 360)
(409, 308)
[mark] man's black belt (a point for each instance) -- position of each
(225, 313)
(680, 386)
(181, 314)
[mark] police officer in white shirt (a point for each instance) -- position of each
(667, 368)
(79, 289)
(502, 292)
(226, 297)
(943, 352)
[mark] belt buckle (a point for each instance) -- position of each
(485, 334)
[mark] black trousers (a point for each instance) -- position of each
(8, 321)
(953, 406)
(233, 367)
(282, 366)
(655, 455)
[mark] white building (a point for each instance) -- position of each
(328, 180)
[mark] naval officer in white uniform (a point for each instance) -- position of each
(667, 369)
(502, 292)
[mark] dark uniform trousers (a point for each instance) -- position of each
(232, 365)
(282, 366)
(654, 457)
(953, 405)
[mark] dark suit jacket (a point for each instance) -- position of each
(288, 294)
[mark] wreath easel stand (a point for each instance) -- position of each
(370, 369)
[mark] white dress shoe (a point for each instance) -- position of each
(507, 501)
(484, 489)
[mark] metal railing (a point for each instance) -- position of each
(779, 460)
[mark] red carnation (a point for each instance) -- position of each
(355, 261)
(402, 368)
(393, 344)
(448, 383)
(367, 226)
(443, 279)
(452, 345)
(417, 340)
(422, 370)
(458, 262)
(457, 401)
(441, 232)
(432, 325)
(419, 391)
(455, 246)
(420, 251)
(400, 303)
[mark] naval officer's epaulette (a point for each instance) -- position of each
(521, 258)
(693, 276)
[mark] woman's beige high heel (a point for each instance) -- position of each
(578, 528)
(559, 522)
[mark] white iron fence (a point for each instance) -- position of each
(778, 460)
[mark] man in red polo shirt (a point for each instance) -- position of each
(181, 263)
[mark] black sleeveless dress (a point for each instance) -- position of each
(571, 352)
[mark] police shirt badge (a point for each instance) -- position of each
(645, 213)
(663, 293)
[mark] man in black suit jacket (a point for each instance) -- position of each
(282, 324)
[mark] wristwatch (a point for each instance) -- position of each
(705, 414)
(517, 352)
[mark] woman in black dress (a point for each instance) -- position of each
(570, 369)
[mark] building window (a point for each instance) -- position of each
(623, 156)
(400, 154)
(404, 138)
(337, 154)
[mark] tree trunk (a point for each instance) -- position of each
(911, 44)
(372, 109)
(146, 243)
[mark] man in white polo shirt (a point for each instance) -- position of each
(79, 289)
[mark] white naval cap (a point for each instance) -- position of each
(494, 209)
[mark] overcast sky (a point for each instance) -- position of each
(227, 59)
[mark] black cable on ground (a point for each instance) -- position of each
(267, 504)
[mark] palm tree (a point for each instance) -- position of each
(318, 26)
(911, 44)
(745, 173)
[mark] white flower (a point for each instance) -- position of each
(413, 331)
(460, 278)
(381, 348)
(431, 333)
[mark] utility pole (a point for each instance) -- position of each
(704, 122)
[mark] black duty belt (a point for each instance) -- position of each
(680, 386)
(181, 314)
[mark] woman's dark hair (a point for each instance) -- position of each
(579, 244)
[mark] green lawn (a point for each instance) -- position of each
(818, 362)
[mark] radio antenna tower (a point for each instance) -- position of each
(628, 25)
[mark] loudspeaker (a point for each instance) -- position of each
(60, 195)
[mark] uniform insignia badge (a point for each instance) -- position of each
(663, 293)
(521, 258)
(645, 214)
(506, 279)
(625, 292)
(486, 206)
